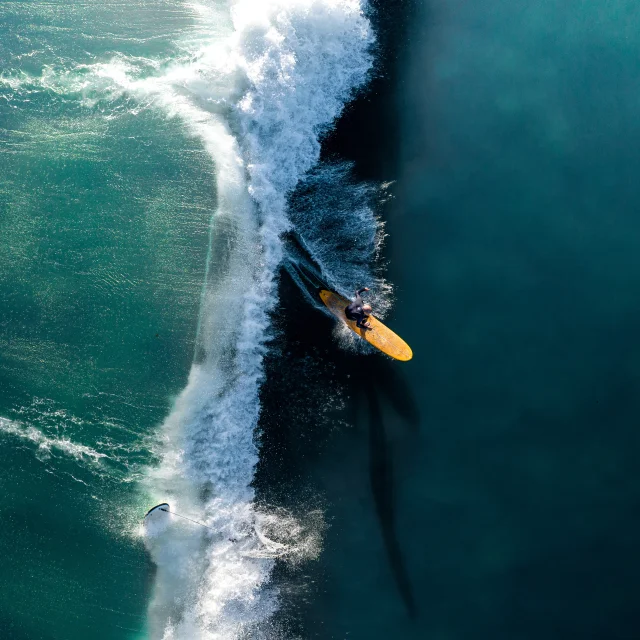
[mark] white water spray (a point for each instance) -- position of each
(260, 99)
(258, 84)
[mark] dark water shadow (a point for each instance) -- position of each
(303, 369)
(382, 487)
(368, 131)
(386, 385)
(391, 383)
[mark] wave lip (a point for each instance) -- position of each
(260, 101)
(259, 86)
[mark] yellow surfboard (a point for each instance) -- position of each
(378, 335)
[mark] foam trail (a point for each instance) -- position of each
(260, 99)
(46, 444)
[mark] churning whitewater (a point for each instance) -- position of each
(259, 97)
(258, 82)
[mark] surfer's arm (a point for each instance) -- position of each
(359, 301)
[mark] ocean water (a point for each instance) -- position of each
(488, 490)
(177, 179)
(149, 151)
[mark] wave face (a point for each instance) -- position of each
(334, 217)
(260, 98)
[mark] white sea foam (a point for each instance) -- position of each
(258, 85)
(259, 99)
(46, 444)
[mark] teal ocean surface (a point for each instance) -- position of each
(104, 243)
(177, 179)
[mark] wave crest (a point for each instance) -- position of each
(288, 68)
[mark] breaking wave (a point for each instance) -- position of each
(260, 99)
(258, 83)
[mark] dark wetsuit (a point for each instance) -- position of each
(355, 312)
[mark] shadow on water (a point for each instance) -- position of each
(383, 385)
(368, 131)
(395, 390)
(307, 373)
(305, 367)
(382, 487)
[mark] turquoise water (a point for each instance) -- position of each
(104, 241)
(105, 226)
(145, 169)
(171, 192)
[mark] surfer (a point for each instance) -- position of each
(359, 311)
